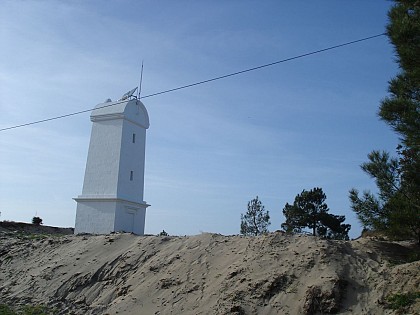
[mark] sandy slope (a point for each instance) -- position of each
(203, 274)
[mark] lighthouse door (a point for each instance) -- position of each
(131, 222)
(129, 217)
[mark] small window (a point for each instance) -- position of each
(131, 175)
(134, 138)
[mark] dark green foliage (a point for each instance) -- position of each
(332, 227)
(401, 108)
(369, 210)
(396, 210)
(37, 310)
(309, 210)
(36, 220)
(6, 310)
(373, 212)
(385, 172)
(27, 310)
(392, 212)
(306, 211)
(256, 220)
(401, 301)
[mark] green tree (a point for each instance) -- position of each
(36, 220)
(401, 108)
(396, 209)
(309, 210)
(256, 220)
(392, 211)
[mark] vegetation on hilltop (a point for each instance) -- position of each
(256, 220)
(309, 210)
(395, 211)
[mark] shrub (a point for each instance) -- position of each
(400, 301)
(36, 220)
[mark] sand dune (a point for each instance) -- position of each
(203, 274)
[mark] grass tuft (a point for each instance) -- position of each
(401, 301)
(26, 310)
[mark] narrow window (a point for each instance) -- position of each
(134, 138)
(131, 175)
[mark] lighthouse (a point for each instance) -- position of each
(113, 187)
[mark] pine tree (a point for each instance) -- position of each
(309, 210)
(401, 108)
(256, 220)
(396, 210)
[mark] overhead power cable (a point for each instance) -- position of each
(204, 81)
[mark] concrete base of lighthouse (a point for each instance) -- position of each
(104, 215)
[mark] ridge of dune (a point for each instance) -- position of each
(204, 274)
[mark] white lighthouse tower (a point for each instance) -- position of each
(112, 196)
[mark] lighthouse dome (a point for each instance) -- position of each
(132, 110)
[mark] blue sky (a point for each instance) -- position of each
(211, 148)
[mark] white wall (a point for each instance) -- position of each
(132, 159)
(111, 200)
(95, 217)
(130, 218)
(102, 166)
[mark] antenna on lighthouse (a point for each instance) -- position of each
(128, 94)
(141, 80)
